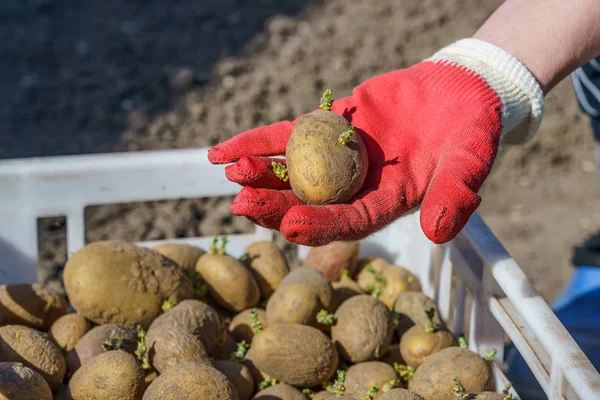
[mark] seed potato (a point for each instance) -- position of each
(268, 265)
(362, 376)
(169, 346)
(240, 326)
(239, 374)
(334, 258)
(279, 391)
(22, 383)
(184, 255)
(30, 304)
(68, 330)
(397, 280)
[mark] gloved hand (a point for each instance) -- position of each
(432, 132)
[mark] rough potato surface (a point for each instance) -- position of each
(30, 304)
(191, 381)
(117, 282)
(239, 374)
(172, 345)
(295, 354)
(400, 394)
(19, 382)
(113, 375)
(280, 392)
(184, 255)
(268, 264)
(361, 377)
(29, 346)
(196, 317)
(434, 379)
(363, 329)
(68, 329)
(320, 169)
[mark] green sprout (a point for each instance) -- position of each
(280, 170)
(200, 289)
(338, 387)
(266, 383)
(262, 304)
(215, 249)
(429, 325)
(142, 350)
(489, 356)
(505, 392)
(371, 393)
(168, 304)
(377, 275)
(89, 398)
(326, 100)
(48, 306)
(346, 135)
(462, 342)
(345, 275)
(459, 391)
(410, 279)
(391, 384)
(325, 318)
(406, 372)
(375, 290)
(308, 393)
(257, 326)
(17, 335)
(113, 342)
(242, 348)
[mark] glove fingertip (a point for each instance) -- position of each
(441, 221)
(217, 155)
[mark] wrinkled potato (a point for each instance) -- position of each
(99, 339)
(321, 170)
(397, 280)
(19, 382)
(268, 264)
(299, 298)
(334, 258)
(30, 304)
(196, 317)
(169, 346)
(280, 391)
(112, 375)
(240, 326)
(410, 307)
(434, 379)
(295, 354)
(68, 329)
(369, 269)
(363, 329)
(229, 282)
(343, 290)
(191, 381)
(361, 377)
(400, 394)
(239, 374)
(121, 283)
(184, 255)
(224, 349)
(417, 344)
(31, 348)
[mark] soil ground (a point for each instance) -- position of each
(90, 77)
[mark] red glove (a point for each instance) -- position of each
(432, 132)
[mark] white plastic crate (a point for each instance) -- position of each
(502, 298)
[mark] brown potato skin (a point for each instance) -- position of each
(68, 329)
(333, 258)
(224, 349)
(184, 255)
(324, 394)
(299, 297)
(31, 347)
(280, 391)
(229, 282)
(112, 375)
(191, 381)
(397, 280)
(417, 344)
(25, 304)
(361, 377)
(321, 170)
(400, 394)
(196, 317)
(343, 290)
(240, 326)
(295, 354)
(121, 283)
(363, 329)
(364, 278)
(22, 383)
(169, 346)
(268, 265)
(410, 309)
(488, 396)
(433, 380)
(239, 375)
(90, 344)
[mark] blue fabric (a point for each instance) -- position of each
(581, 317)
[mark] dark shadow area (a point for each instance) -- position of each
(74, 75)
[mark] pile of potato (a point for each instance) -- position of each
(176, 322)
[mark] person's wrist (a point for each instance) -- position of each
(521, 95)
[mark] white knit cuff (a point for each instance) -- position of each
(521, 95)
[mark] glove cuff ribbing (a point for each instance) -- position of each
(521, 95)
